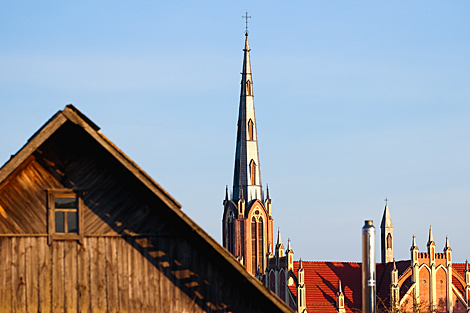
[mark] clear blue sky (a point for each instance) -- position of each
(355, 100)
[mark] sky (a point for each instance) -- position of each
(356, 101)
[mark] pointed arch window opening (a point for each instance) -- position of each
(257, 244)
(389, 241)
(253, 245)
(253, 172)
(249, 89)
(230, 235)
(251, 133)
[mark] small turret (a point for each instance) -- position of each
(301, 300)
(431, 248)
(267, 201)
(448, 252)
(290, 257)
(226, 195)
(414, 260)
(340, 299)
(386, 243)
(395, 289)
(279, 246)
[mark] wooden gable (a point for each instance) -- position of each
(135, 250)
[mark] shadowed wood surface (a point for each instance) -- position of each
(135, 254)
(109, 274)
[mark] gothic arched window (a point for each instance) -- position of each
(253, 172)
(230, 234)
(253, 245)
(260, 243)
(257, 242)
(250, 130)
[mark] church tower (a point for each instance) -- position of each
(386, 240)
(247, 223)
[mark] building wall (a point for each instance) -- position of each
(135, 254)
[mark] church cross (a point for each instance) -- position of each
(386, 201)
(246, 17)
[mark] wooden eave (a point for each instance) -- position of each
(72, 114)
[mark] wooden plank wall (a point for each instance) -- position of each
(112, 274)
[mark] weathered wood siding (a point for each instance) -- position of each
(112, 274)
(137, 254)
(116, 202)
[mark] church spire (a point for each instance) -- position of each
(247, 173)
(386, 229)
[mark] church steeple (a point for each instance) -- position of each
(247, 173)
(386, 228)
(247, 224)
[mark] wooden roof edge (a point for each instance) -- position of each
(70, 113)
(234, 262)
(78, 118)
(175, 206)
(36, 140)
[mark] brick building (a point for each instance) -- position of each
(429, 281)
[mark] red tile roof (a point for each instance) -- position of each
(459, 268)
(321, 284)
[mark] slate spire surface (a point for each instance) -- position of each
(247, 173)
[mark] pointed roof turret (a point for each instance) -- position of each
(300, 264)
(447, 246)
(247, 173)
(386, 218)
(340, 290)
(279, 240)
(394, 265)
(226, 193)
(267, 192)
(288, 245)
(431, 239)
(413, 243)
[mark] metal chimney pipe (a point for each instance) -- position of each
(369, 289)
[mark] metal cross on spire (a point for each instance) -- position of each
(386, 201)
(246, 17)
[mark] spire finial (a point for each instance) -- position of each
(288, 244)
(300, 264)
(447, 242)
(279, 241)
(386, 201)
(339, 287)
(226, 192)
(246, 17)
(414, 241)
(394, 265)
(431, 239)
(466, 265)
(267, 192)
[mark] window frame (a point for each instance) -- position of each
(52, 194)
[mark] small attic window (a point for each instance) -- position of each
(64, 215)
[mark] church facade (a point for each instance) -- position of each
(427, 282)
